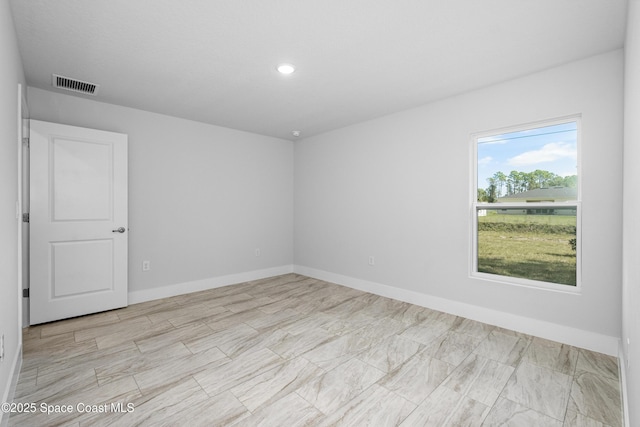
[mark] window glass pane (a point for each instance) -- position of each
(532, 165)
(536, 243)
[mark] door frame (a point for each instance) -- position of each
(22, 195)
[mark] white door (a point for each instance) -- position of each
(78, 221)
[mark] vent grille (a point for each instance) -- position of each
(75, 85)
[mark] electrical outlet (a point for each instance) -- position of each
(146, 265)
(258, 252)
(372, 260)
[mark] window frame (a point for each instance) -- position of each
(475, 206)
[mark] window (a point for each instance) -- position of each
(526, 205)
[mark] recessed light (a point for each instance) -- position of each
(286, 68)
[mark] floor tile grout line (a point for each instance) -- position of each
(515, 370)
(566, 409)
(534, 410)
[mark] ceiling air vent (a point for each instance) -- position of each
(74, 85)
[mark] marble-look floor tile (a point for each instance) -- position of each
(135, 363)
(597, 363)
(553, 355)
(218, 299)
(248, 305)
(375, 407)
(190, 332)
(284, 290)
(510, 414)
(217, 296)
(180, 311)
(472, 327)
(153, 409)
(522, 335)
(88, 360)
(198, 314)
(132, 334)
(575, 419)
(423, 334)
(441, 318)
(410, 314)
(504, 348)
(417, 377)
(446, 408)
(31, 332)
(290, 411)
(271, 283)
(43, 419)
(36, 346)
(274, 320)
(337, 351)
(56, 347)
(224, 338)
(275, 290)
(124, 326)
(331, 390)
(391, 353)
(144, 308)
(387, 307)
(596, 397)
(27, 383)
(84, 322)
(289, 346)
(122, 392)
(541, 389)
(228, 319)
(453, 347)
(325, 298)
(308, 322)
(280, 305)
(346, 325)
(57, 386)
(347, 308)
(263, 340)
(221, 378)
(264, 352)
(479, 378)
(177, 368)
(220, 410)
(276, 383)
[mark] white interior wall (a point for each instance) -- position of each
(11, 74)
(202, 198)
(398, 188)
(631, 228)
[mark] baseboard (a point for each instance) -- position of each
(204, 284)
(539, 328)
(8, 394)
(622, 368)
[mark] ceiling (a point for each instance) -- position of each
(214, 61)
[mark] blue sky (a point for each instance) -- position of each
(551, 148)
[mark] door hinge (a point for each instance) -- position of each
(25, 217)
(25, 141)
(25, 293)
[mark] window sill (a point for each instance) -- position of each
(525, 283)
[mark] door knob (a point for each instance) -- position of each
(119, 230)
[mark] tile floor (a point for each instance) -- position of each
(293, 351)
